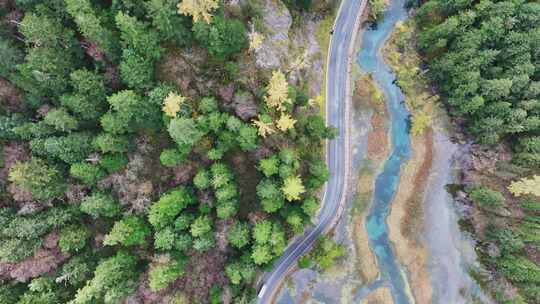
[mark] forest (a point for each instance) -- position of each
(484, 58)
(119, 181)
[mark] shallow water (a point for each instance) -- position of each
(371, 61)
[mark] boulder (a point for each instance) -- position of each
(274, 49)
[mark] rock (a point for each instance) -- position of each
(244, 106)
(462, 195)
(306, 62)
(493, 251)
(226, 92)
(274, 49)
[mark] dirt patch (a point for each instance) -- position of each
(380, 295)
(378, 138)
(366, 262)
(412, 224)
(368, 97)
(406, 216)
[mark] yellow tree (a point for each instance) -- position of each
(277, 90)
(420, 121)
(526, 186)
(264, 125)
(198, 9)
(255, 40)
(285, 122)
(293, 188)
(172, 103)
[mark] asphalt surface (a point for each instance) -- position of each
(336, 113)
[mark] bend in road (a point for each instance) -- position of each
(337, 102)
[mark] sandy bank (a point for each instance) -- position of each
(380, 295)
(405, 221)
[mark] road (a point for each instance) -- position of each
(337, 102)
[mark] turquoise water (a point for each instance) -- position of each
(371, 61)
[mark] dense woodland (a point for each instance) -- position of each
(118, 182)
(484, 57)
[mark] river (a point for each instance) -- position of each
(450, 252)
(371, 61)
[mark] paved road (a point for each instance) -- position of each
(337, 88)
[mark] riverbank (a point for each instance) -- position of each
(406, 218)
(369, 99)
(423, 222)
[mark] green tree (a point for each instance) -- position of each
(92, 26)
(165, 272)
(170, 25)
(262, 231)
(171, 157)
(129, 231)
(73, 238)
(223, 37)
(88, 99)
(326, 252)
(76, 271)
(238, 235)
(318, 174)
(129, 112)
(208, 105)
(310, 206)
(262, 254)
(487, 198)
(269, 166)
(10, 56)
(202, 179)
(61, 120)
(183, 221)
(113, 162)
(100, 204)
(43, 181)
(164, 211)
(226, 209)
(114, 279)
(184, 131)
(247, 137)
(109, 143)
(137, 35)
(183, 242)
(201, 225)
(164, 239)
(72, 148)
(87, 173)
(205, 242)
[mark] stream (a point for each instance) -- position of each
(371, 61)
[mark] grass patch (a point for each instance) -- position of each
(322, 34)
(364, 188)
(400, 53)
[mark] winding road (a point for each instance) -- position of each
(338, 89)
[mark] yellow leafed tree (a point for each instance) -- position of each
(285, 122)
(172, 103)
(420, 121)
(526, 186)
(198, 9)
(255, 41)
(264, 126)
(278, 90)
(293, 188)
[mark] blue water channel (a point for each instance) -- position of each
(371, 61)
